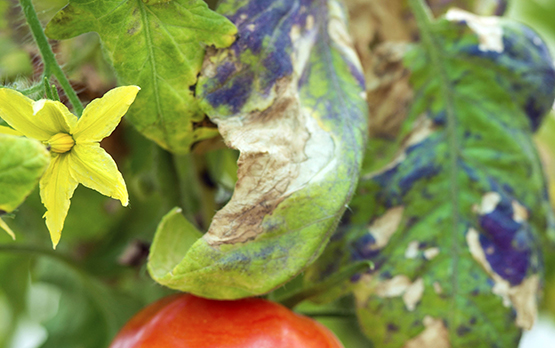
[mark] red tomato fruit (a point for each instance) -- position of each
(186, 321)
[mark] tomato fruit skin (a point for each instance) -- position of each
(187, 321)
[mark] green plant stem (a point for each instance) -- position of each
(50, 64)
(436, 54)
(26, 249)
(47, 89)
(291, 300)
(32, 90)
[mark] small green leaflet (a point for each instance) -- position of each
(22, 163)
(456, 221)
(289, 95)
(160, 47)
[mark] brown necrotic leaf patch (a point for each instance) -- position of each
(282, 149)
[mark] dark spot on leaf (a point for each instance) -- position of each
(463, 330)
(440, 118)
(411, 221)
(362, 248)
(426, 194)
(423, 245)
(392, 327)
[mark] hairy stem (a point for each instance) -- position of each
(32, 90)
(51, 66)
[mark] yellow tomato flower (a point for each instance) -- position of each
(74, 145)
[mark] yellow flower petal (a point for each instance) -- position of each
(53, 116)
(6, 228)
(10, 131)
(17, 110)
(101, 116)
(94, 168)
(56, 188)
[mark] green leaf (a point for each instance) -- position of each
(174, 236)
(158, 47)
(288, 94)
(22, 163)
(454, 223)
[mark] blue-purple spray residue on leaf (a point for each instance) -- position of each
(289, 95)
(454, 222)
(513, 48)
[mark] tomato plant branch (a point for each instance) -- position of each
(50, 64)
(32, 90)
(26, 249)
(293, 299)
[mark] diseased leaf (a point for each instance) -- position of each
(480, 7)
(454, 223)
(158, 46)
(22, 163)
(288, 94)
(381, 30)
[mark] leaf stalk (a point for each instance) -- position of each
(291, 300)
(51, 66)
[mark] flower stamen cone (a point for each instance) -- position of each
(61, 143)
